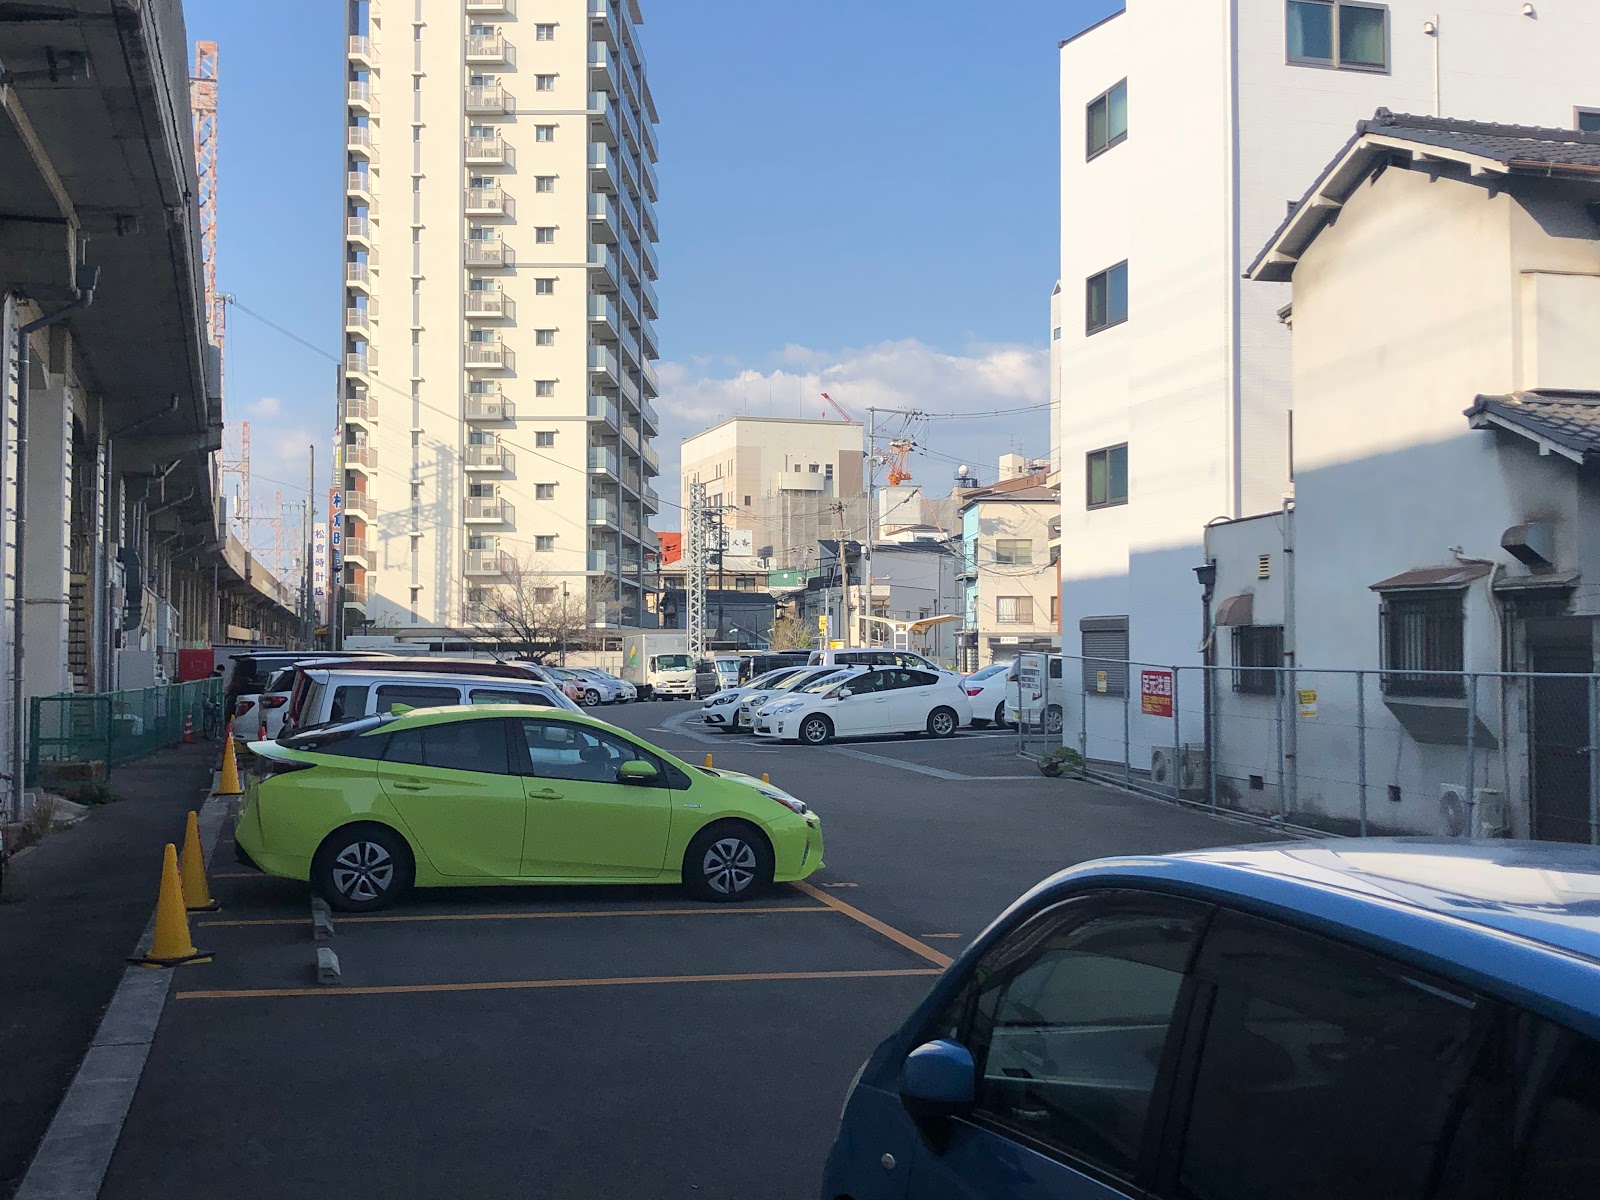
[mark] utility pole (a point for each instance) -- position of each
(695, 583)
(872, 508)
(844, 578)
(722, 553)
(305, 540)
(563, 622)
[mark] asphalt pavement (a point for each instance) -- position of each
(579, 1042)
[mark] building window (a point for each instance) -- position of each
(1055, 610)
(544, 287)
(544, 183)
(1107, 302)
(544, 33)
(1108, 119)
(1104, 645)
(544, 83)
(545, 235)
(1255, 648)
(544, 595)
(1106, 477)
(747, 501)
(544, 491)
(544, 388)
(1055, 334)
(1338, 33)
(1013, 610)
(544, 337)
(1016, 552)
(1587, 120)
(545, 543)
(1422, 631)
(544, 133)
(544, 439)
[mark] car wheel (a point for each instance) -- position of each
(1052, 719)
(942, 722)
(361, 868)
(591, 698)
(726, 861)
(815, 730)
(1000, 715)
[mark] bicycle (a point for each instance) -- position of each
(211, 719)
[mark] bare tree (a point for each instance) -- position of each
(528, 609)
(791, 633)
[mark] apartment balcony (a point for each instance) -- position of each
(630, 348)
(629, 391)
(603, 169)
(647, 214)
(364, 363)
(355, 548)
(490, 306)
(647, 339)
(363, 458)
(359, 319)
(360, 50)
(647, 292)
(604, 410)
(490, 49)
(490, 252)
(490, 356)
(489, 510)
(489, 99)
(604, 69)
(603, 319)
(602, 562)
(489, 202)
(603, 22)
(652, 423)
(358, 95)
(358, 229)
(490, 456)
(630, 304)
(629, 208)
(492, 8)
(652, 381)
(604, 512)
(361, 140)
(359, 185)
(652, 181)
(362, 410)
(603, 268)
(603, 223)
(631, 478)
(360, 504)
(356, 593)
(603, 462)
(603, 363)
(630, 438)
(652, 260)
(603, 118)
(489, 408)
(494, 563)
(652, 460)
(490, 151)
(652, 501)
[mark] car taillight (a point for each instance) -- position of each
(974, 691)
(244, 707)
(267, 767)
(280, 701)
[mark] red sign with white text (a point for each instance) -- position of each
(1155, 693)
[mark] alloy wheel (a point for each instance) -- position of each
(941, 724)
(814, 731)
(591, 697)
(363, 871)
(1052, 720)
(729, 866)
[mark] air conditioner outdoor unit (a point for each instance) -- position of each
(1486, 817)
(1161, 766)
(1191, 769)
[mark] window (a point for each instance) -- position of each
(349, 700)
(415, 695)
(1108, 119)
(747, 501)
(1256, 647)
(1055, 610)
(1108, 298)
(544, 83)
(544, 235)
(1559, 1162)
(544, 183)
(544, 439)
(1068, 1020)
(544, 33)
(1338, 33)
(458, 746)
(545, 543)
(1014, 551)
(503, 696)
(544, 595)
(544, 491)
(1422, 631)
(544, 337)
(1013, 610)
(544, 133)
(1587, 120)
(557, 750)
(1055, 334)
(1106, 477)
(1325, 1072)
(544, 287)
(1105, 655)
(544, 388)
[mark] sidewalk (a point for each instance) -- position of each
(73, 909)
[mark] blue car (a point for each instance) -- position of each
(1404, 1020)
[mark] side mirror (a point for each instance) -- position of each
(637, 771)
(937, 1082)
(844, 693)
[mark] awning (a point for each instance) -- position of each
(1237, 610)
(1555, 581)
(1458, 576)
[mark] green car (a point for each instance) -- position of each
(496, 794)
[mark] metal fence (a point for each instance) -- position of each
(116, 727)
(1474, 754)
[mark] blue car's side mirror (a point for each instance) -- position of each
(937, 1082)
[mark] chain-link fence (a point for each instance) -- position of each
(117, 727)
(1490, 754)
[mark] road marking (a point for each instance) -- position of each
(238, 875)
(889, 931)
(392, 918)
(841, 885)
(918, 768)
(944, 935)
(540, 984)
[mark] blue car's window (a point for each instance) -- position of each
(1561, 1155)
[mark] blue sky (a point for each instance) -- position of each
(856, 194)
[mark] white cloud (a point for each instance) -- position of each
(898, 374)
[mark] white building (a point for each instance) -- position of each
(499, 298)
(1187, 130)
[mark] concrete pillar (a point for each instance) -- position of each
(47, 508)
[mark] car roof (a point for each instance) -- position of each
(431, 665)
(349, 674)
(1520, 918)
(444, 713)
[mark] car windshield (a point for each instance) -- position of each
(772, 679)
(832, 679)
(674, 662)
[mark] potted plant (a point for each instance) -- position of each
(1062, 761)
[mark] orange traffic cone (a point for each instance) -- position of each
(171, 946)
(188, 729)
(708, 762)
(765, 778)
(230, 769)
(192, 867)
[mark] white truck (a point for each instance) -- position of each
(659, 665)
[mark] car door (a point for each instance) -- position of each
(863, 711)
(916, 695)
(1070, 1021)
(453, 787)
(582, 821)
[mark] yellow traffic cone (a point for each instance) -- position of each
(192, 867)
(765, 778)
(171, 946)
(708, 762)
(230, 769)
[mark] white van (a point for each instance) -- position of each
(872, 656)
(1037, 713)
(343, 694)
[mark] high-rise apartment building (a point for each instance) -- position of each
(499, 278)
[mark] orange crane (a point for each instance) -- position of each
(898, 460)
(838, 408)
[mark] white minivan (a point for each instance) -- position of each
(343, 694)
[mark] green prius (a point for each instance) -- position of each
(497, 794)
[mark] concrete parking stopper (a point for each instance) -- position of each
(327, 966)
(321, 920)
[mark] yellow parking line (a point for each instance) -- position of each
(538, 984)
(389, 918)
(889, 931)
(944, 935)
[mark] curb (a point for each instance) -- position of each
(76, 1150)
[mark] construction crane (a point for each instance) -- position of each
(898, 459)
(838, 408)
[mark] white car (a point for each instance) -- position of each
(259, 716)
(1037, 713)
(758, 698)
(726, 710)
(874, 700)
(986, 689)
(599, 687)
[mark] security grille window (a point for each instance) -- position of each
(544, 388)
(545, 543)
(544, 287)
(1108, 119)
(544, 439)
(1014, 551)
(544, 337)
(1013, 610)
(544, 183)
(1587, 120)
(544, 133)
(544, 83)
(1423, 631)
(1107, 302)
(1256, 647)
(544, 33)
(1105, 655)
(1338, 33)
(544, 491)
(1106, 477)
(544, 235)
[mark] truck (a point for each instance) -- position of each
(659, 665)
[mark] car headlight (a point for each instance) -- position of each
(790, 707)
(795, 806)
(719, 700)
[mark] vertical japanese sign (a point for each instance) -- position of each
(1155, 693)
(319, 570)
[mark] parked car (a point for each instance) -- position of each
(755, 699)
(1327, 1020)
(597, 687)
(485, 668)
(252, 672)
(341, 694)
(753, 665)
(261, 715)
(722, 710)
(727, 666)
(1039, 712)
(875, 700)
(986, 689)
(497, 794)
(880, 656)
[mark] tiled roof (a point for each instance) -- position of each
(1509, 145)
(1568, 422)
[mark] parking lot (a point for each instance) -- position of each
(585, 1041)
